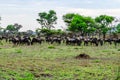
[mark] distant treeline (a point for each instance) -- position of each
(76, 24)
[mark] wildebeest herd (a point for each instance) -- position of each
(68, 40)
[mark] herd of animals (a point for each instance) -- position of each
(68, 40)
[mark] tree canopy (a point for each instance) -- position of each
(104, 22)
(87, 25)
(13, 28)
(68, 18)
(47, 20)
(79, 23)
(76, 23)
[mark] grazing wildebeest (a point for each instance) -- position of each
(100, 41)
(4, 38)
(73, 41)
(108, 41)
(86, 41)
(19, 41)
(94, 41)
(70, 41)
(78, 41)
(48, 39)
(56, 39)
(25, 40)
(14, 40)
(116, 41)
(36, 40)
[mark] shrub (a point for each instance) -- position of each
(18, 51)
(118, 49)
(97, 61)
(51, 47)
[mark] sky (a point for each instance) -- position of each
(25, 12)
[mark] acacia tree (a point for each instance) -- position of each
(90, 25)
(47, 20)
(68, 18)
(13, 29)
(79, 23)
(104, 21)
(10, 28)
(17, 26)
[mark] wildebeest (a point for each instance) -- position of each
(56, 40)
(14, 40)
(100, 41)
(86, 41)
(94, 41)
(18, 40)
(68, 39)
(36, 40)
(73, 41)
(48, 39)
(116, 41)
(108, 41)
(25, 40)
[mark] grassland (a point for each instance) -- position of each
(58, 62)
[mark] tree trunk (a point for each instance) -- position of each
(104, 36)
(99, 35)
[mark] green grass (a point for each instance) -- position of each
(57, 62)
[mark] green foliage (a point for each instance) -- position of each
(51, 47)
(51, 32)
(118, 28)
(104, 21)
(10, 28)
(18, 51)
(97, 61)
(1, 43)
(47, 20)
(13, 75)
(118, 49)
(118, 73)
(68, 18)
(77, 24)
(13, 28)
(81, 24)
(17, 26)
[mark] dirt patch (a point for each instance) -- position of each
(42, 75)
(82, 56)
(46, 75)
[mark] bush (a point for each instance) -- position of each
(97, 61)
(51, 32)
(51, 47)
(118, 49)
(18, 51)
